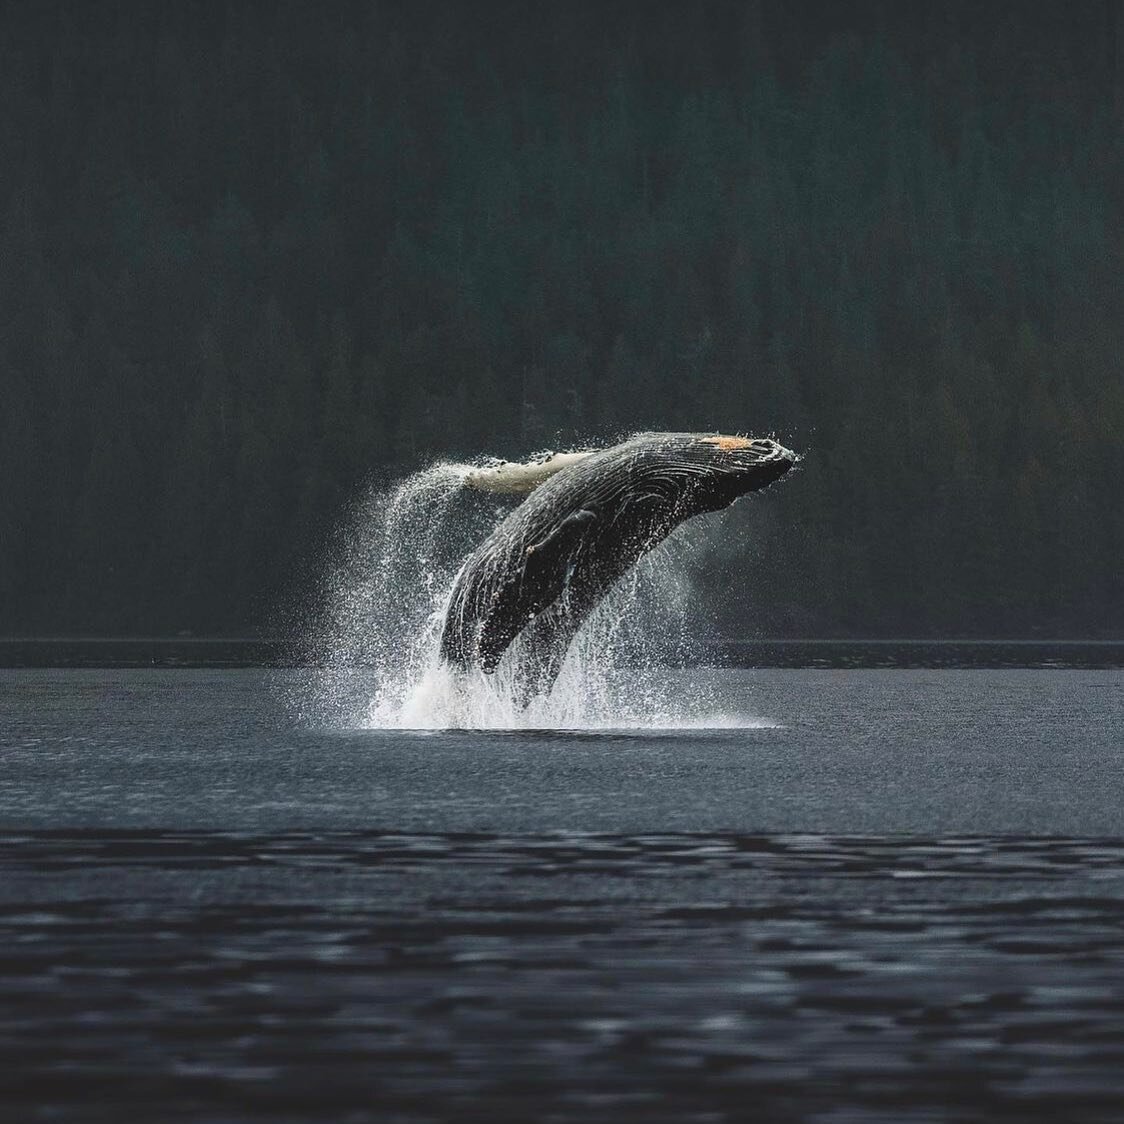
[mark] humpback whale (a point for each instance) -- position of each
(585, 523)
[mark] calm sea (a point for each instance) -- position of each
(876, 895)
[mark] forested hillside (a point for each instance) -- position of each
(253, 255)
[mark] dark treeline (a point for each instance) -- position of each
(252, 255)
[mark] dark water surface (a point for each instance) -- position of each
(902, 901)
(225, 652)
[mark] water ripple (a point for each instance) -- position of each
(342, 975)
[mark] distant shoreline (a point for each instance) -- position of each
(250, 652)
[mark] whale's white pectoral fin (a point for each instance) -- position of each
(510, 478)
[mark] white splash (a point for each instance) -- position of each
(378, 664)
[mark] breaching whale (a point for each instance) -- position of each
(547, 565)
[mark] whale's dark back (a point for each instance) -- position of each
(547, 565)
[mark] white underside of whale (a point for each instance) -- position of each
(515, 479)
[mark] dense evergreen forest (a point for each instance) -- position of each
(254, 256)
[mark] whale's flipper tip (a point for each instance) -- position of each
(512, 478)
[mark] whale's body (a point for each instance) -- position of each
(547, 565)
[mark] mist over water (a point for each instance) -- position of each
(385, 590)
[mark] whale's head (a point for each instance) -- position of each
(713, 470)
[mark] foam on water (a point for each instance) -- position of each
(385, 592)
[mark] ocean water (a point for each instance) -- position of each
(825, 895)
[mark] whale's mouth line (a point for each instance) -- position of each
(520, 478)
